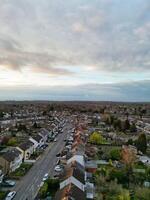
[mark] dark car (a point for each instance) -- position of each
(8, 183)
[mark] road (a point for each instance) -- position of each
(28, 187)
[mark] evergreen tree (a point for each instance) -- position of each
(141, 143)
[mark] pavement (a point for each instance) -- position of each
(27, 188)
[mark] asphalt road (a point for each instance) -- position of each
(29, 185)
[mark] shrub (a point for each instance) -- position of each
(115, 154)
(96, 138)
(43, 190)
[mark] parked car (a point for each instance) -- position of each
(58, 155)
(58, 168)
(44, 146)
(45, 177)
(56, 176)
(41, 184)
(8, 183)
(55, 140)
(10, 195)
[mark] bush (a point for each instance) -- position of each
(53, 184)
(12, 141)
(22, 170)
(50, 187)
(96, 138)
(3, 194)
(115, 154)
(120, 175)
(43, 190)
(142, 194)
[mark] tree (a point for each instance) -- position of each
(133, 128)
(110, 190)
(126, 125)
(120, 175)
(5, 140)
(22, 127)
(117, 124)
(12, 141)
(115, 154)
(142, 193)
(96, 138)
(1, 115)
(35, 125)
(43, 190)
(128, 158)
(141, 143)
(116, 192)
(130, 141)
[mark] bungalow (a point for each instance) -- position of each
(27, 149)
(11, 160)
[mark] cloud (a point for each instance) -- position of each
(78, 27)
(109, 35)
(14, 58)
(131, 91)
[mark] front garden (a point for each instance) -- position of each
(21, 171)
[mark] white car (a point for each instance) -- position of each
(58, 168)
(41, 184)
(45, 177)
(55, 140)
(10, 195)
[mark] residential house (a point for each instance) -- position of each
(70, 192)
(37, 141)
(11, 160)
(44, 133)
(77, 158)
(27, 148)
(75, 174)
(91, 166)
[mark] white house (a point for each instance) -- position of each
(37, 141)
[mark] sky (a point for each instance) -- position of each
(75, 50)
